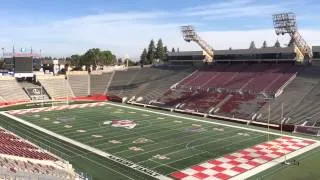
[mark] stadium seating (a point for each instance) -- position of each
(56, 86)
(21, 159)
(11, 91)
(12, 145)
(26, 169)
(148, 83)
(202, 101)
(229, 90)
(79, 84)
(99, 82)
(300, 99)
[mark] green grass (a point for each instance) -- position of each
(168, 135)
(98, 167)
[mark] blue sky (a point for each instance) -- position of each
(65, 27)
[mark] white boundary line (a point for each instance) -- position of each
(94, 150)
(211, 122)
(274, 162)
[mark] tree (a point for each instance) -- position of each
(114, 59)
(1, 64)
(264, 45)
(277, 44)
(165, 49)
(151, 52)
(91, 57)
(75, 60)
(160, 53)
(252, 45)
(130, 62)
(144, 56)
(106, 58)
(173, 50)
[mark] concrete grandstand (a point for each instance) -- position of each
(238, 88)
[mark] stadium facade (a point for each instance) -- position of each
(267, 54)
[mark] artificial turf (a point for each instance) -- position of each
(183, 142)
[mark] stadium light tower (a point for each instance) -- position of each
(189, 34)
(286, 23)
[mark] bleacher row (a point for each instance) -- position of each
(254, 78)
(233, 90)
(19, 158)
(229, 90)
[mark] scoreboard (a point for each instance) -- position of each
(23, 65)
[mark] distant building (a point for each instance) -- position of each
(268, 54)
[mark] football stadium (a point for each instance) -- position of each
(210, 114)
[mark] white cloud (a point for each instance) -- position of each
(130, 32)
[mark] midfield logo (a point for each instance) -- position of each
(128, 124)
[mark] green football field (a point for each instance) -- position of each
(157, 141)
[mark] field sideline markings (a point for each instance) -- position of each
(79, 155)
(136, 133)
(162, 142)
(178, 131)
(211, 122)
(162, 164)
(275, 162)
(144, 128)
(145, 152)
(120, 145)
(109, 156)
(303, 157)
(107, 167)
(67, 132)
(101, 127)
(228, 145)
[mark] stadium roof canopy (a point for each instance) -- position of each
(267, 50)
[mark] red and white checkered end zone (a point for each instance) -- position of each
(239, 162)
(55, 108)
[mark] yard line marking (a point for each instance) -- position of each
(212, 122)
(107, 167)
(132, 133)
(190, 135)
(137, 137)
(116, 159)
(228, 145)
(162, 164)
(90, 125)
(182, 143)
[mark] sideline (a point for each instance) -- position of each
(274, 162)
(212, 122)
(94, 150)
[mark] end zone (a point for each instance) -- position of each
(248, 162)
